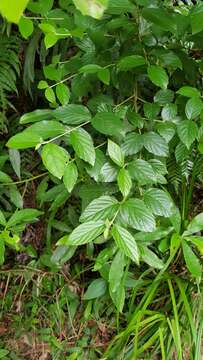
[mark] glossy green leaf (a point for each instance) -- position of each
(187, 132)
(15, 160)
(189, 91)
(55, 159)
(25, 27)
(24, 140)
(108, 123)
(72, 114)
(169, 112)
(159, 202)
(115, 153)
(50, 40)
(135, 213)
(50, 95)
(196, 224)
(83, 145)
(90, 69)
(101, 208)
(108, 172)
(130, 62)
(116, 271)
(70, 176)
(104, 76)
(124, 182)
(126, 242)
(150, 258)
(62, 93)
(133, 144)
(37, 115)
(155, 144)
(158, 76)
(86, 233)
(193, 108)
(2, 219)
(142, 171)
(191, 260)
(197, 21)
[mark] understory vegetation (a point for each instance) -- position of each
(101, 170)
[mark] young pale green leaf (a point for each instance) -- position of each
(187, 132)
(94, 8)
(101, 208)
(126, 242)
(12, 12)
(15, 160)
(108, 123)
(96, 289)
(115, 153)
(196, 240)
(116, 271)
(23, 216)
(196, 224)
(142, 171)
(191, 260)
(83, 145)
(70, 176)
(50, 95)
(50, 40)
(37, 115)
(124, 182)
(193, 107)
(155, 144)
(133, 144)
(86, 233)
(158, 76)
(159, 202)
(189, 91)
(72, 114)
(55, 159)
(62, 93)
(26, 27)
(130, 62)
(150, 258)
(104, 76)
(135, 213)
(24, 140)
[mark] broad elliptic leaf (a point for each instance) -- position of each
(70, 176)
(142, 171)
(86, 233)
(150, 258)
(108, 123)
(155, 144)
(124, 182)
(191, 260)
(196, 224)
(135, 213)
(169, 112)
(94, 8)
(63, 93)
(90, 69)
(108, 172)
(115, 153)
(116, 271)
(187, 132)
(14, 156)
(50, 95)
(72, 114)
(196, 21)
(55, 159)
(96, 289)
(126, 242)
(159, 202)
(133, 144)
(23, 216)
(83, 145)
(25, 27)
(12, 12)
(189, 91)
(24, 140)
(193, 107)
(158, 76)
(37, 115)
(2, 219)
(100, 209)
(130, 62)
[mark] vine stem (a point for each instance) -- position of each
(62, 81)
(25, 180)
